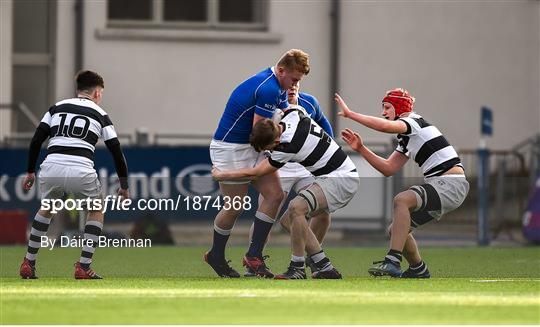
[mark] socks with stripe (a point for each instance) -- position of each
(221, 237)
(92, 231)
(40, 225)
(321, 261)
(418, 268)
(394, 256)
(298, 262)
(262, 226)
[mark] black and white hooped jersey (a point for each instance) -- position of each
(75, 127)
(427, 146)
(305, 142)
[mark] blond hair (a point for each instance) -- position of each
(296, 60)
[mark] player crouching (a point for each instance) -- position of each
(297, 138)
(445, 185)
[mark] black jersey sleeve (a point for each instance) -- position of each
(119, 161)
(41, 134)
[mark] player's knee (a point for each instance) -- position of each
(274, 198)
(298, 208)
(405, 200)
(400, 200)
(280, 196)
(324, 218)
(285, 224)
(230, 214)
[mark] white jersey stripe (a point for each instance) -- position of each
(425, 144)
(305, 142)
(75, 127)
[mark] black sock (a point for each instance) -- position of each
(261, 228)
(221, 237)
(393, 256)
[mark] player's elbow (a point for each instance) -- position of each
(388, 170)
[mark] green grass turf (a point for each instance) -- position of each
(172, 285)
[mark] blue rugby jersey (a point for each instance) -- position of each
(310, 103)
(260, 94)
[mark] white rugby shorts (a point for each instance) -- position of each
(229, 156)
(56, 181)
(294, 177)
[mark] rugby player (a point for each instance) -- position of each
(445, 186)
(256, 98)
(294, 177)
(74, 127)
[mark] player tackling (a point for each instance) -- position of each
(297, 138)
(294, 177)
(255, 99)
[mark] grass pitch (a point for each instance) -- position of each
(172, 285)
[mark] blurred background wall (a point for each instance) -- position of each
(170, 65)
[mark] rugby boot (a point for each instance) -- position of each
(385, 268)
(292, 273)
(258, 266)
(28, 270)
(220, 266)
(81, 273)
(327, 274)
(411, 273)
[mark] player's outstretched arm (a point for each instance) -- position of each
(261, 169)
(40, 135)
(376, 123)
(387, 167)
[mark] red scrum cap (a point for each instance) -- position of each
(400, 99)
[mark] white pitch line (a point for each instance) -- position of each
(454, 298)
(503, 280)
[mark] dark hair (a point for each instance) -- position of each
(87, 79)
(264, 132)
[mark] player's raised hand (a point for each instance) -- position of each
(353, 139)
(29, 181)
(345, 111)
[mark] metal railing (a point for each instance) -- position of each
(18, 138)
(23, 108)
(530, 150)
